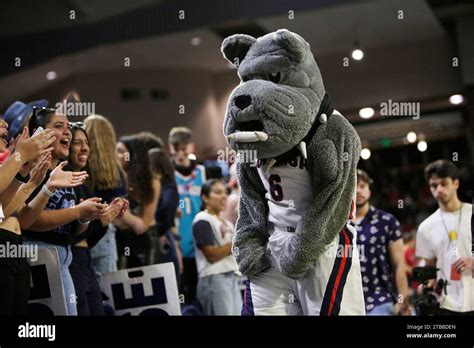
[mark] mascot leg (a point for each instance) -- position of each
(334, 285)
(270, 292)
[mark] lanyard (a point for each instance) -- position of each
(453, 234)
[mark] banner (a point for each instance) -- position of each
(148, 290)
(46, 292)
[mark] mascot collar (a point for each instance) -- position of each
(325, 111)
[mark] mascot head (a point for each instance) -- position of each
(281, 91)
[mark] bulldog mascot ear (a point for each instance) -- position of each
(235, 47)
(293, 43)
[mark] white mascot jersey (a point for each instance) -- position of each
(323, 289)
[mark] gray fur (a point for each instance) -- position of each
(333, 152)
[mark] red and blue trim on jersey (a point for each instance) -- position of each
(247, 308)
(334, 289)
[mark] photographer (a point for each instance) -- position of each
(444, 240)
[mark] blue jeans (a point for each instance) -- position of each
(383, 309)
(65, 259)
(219, 294)
(104, 253)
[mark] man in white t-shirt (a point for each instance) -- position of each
(444, 239)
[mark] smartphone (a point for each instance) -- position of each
(38, 130)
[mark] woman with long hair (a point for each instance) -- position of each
(63, 217)
(89, 298)
(162, 166)
(107, 180)
(144, 189)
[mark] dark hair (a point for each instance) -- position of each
(206, 189)
(442, 169)
(362, 175)
(74, 127)
(179, 136)
(161, 163)
(151, 140)
(139, 171)
(40, 118)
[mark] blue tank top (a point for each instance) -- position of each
(189, 189)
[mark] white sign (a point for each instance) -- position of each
(46, 290)
(148, 290)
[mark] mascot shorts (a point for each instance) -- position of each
(333, 286)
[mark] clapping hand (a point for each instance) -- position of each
(38, 173)
(32, 147)
(91, 209)
(113, 211)
(59, 178)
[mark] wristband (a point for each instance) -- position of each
(84, 222)
(47, 192)
(21, 178)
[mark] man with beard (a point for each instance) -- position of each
(444, 239)
(382, 262)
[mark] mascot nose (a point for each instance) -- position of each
(242, 101)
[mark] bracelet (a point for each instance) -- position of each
(84, 222)
(47, 192)
(21, 178)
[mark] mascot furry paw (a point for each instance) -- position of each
(292, 237)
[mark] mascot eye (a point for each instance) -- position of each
(274, 77)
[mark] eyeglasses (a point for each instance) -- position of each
(37, 111)
(77, 125)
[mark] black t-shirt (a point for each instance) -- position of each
(108, 195)
(166, 209)
(96, 230)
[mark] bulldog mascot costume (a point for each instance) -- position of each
(293, 239)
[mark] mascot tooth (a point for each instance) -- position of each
(248, 137)
(323, 118)
(269, 164)
(298, 196)
(302, 148)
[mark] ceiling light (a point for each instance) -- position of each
(366, 112)
(456, 99)
(196, 41)
(357, 54)
(365, 153)
(51, 75)
(422, 146)
(411, 137)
